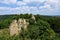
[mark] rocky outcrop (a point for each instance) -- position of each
(16, 26)
(33, 17)
(13, 28)
(22, 24)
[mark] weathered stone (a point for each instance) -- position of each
(16, 26)
(22, 23)
(33, 17)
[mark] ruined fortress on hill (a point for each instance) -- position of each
(16, 26)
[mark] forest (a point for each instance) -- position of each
(45, 28)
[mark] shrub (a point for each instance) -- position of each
(40, 30)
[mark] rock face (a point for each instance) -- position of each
(33, 17)
(22, 24)
(13, 28)
(16, 26)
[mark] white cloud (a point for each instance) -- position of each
(55, 4)
(13, 1)
(21, 3)
(34, 9)
(50, 6)
(28, 1)
(23, 9)
(53, 1)
(8, 1)
(45, 6)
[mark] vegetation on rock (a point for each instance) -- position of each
(42, 28)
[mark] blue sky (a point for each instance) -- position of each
(43, 7)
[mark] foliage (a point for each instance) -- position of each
(43, 28)
(5, 23)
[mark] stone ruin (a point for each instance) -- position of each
(15, 26)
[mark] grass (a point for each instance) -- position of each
(4, 34)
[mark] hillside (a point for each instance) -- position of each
(42, 28)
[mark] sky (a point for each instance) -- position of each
(42, 7)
